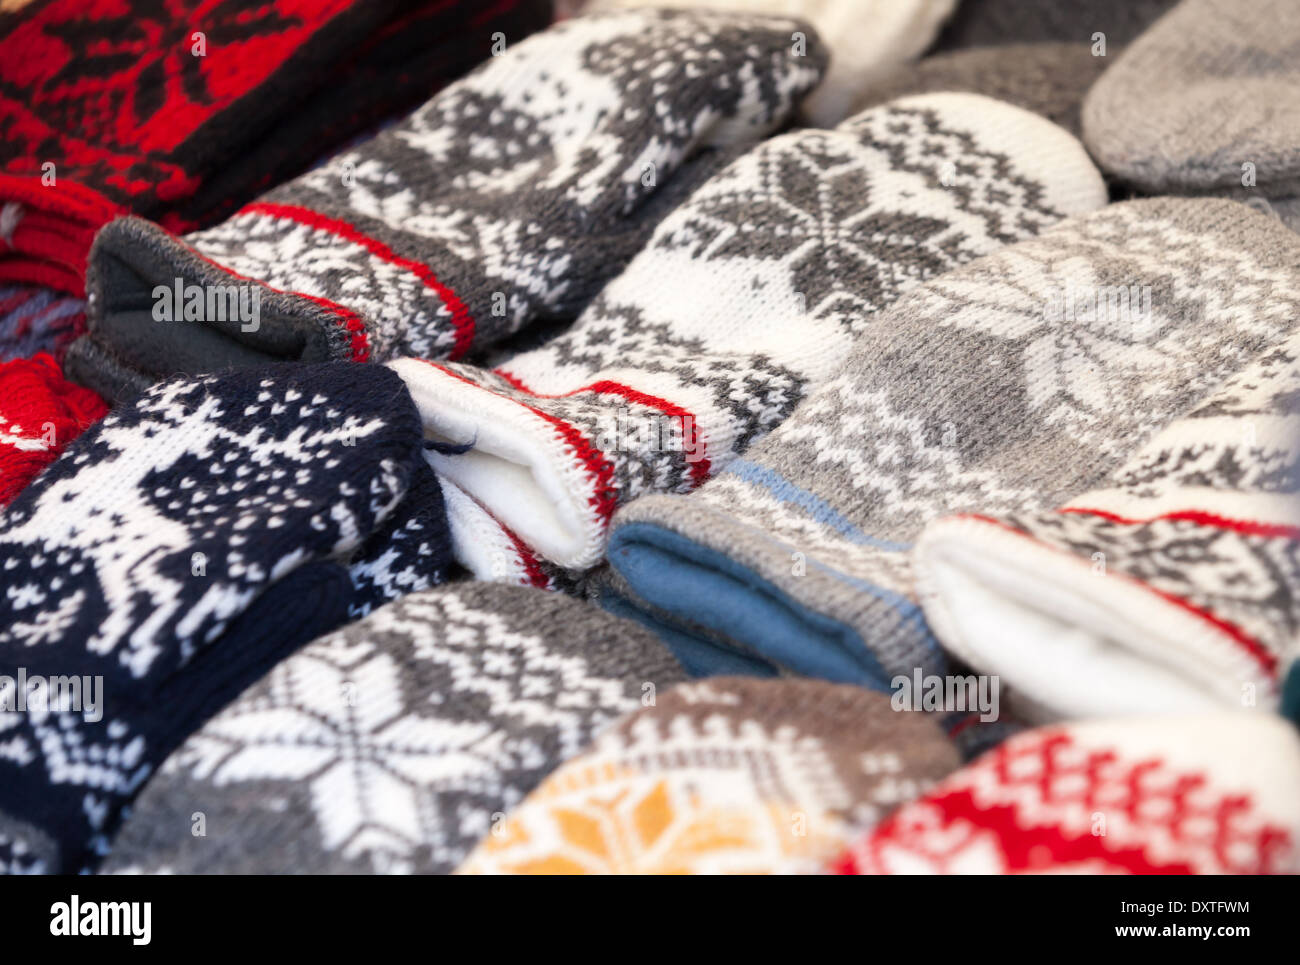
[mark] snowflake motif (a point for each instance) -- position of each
(343, 726)
(810, 207)
(1078, 371)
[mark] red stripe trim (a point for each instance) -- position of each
(1262, 656)
(533, 570)
(601, 470)
(699, 469)
(1200, 518)
(360, 343)
(460, 317)
(351, 321)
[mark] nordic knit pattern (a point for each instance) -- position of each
(747, 295)
(182, 110)
(1176, 587)
(176, 550)
(36, 320)
(1145, 120)
(1016, 382)
(1210, 794)
(410, 551)
(510, 197)
(728, 776)
(396, 743)
(867, 38)
(40, 413)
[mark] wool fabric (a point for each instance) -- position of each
(182, 111)
(726, 776)
(40, 413)
(34, 320)
(746, 297)
(1206, 101)
(1017, 381)
(1172, 588)
(173, 553)
(409, 552)
(994, 23)
(1049, 79)
(1206, 794)
(509, 198)
(396, 743)
(487, 548)
(867, 39)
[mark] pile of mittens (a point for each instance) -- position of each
(754, 436)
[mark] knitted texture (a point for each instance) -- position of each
(395, 744)
(173, 553)
(747, 295)
(867, 38)
(1156, 795)
(990, 23)
(509, 198)
(1238, 64)
(728, 776)
(410, 551)
(182, 110)
(1175, 587)
(36, 320)
(1049, 79)
(40, 413)
(487, 548)
(1016, 382)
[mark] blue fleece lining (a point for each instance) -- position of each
(696, 583)
(700, 658)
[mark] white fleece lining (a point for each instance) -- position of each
(1074, 642)
(519, 469)
(478, 541)
(520, 489)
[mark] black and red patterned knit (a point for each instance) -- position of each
(181, 110)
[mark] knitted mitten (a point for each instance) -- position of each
(169, 557)
(1016, 382)
(397, 742)
(732, 775)
(867, 38)
(746, 296)
(40, 413)
(1048, 79)
(181, 111)
(992, 23)
(410, 551)
(510, 197)
(1206, 101)
(1209, 794)
(488, 549)
(36, 320)
(1174, 588)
